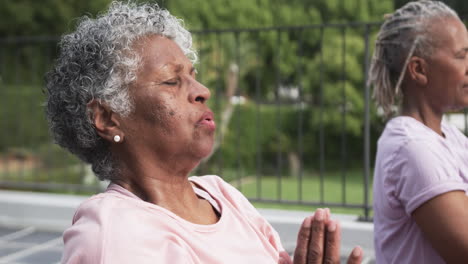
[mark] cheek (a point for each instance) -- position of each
(450, 76)
(458, 72)
(159, 114)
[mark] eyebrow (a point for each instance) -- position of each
(180, 67)
(177, 67)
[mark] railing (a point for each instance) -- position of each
(296, 124)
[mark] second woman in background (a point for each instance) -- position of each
(421, 172)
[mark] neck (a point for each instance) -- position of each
(156, 181)
(165, 186)
(423, 112)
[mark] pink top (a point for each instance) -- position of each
(413, 165)
(118, 227)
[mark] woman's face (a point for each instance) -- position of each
(170, 119)
(448, 66)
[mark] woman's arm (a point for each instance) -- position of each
(444, 222)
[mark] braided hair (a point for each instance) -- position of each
(404, 33)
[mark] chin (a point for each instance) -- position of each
(207, 152)
(204, 151)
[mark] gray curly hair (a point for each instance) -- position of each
(97, 62)
(403, 34)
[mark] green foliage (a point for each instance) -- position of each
(21, 117)
(45, 17)
(200, 14)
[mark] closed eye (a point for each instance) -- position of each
(462, 54)
(171, 82)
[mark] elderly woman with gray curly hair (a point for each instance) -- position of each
(420, 68)
(123, 97)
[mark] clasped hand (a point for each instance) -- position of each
(318, 242)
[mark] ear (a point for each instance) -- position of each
(417, 70)
(105, 121)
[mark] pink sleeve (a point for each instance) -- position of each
(82, 241)
(80, 248)
(97, 237)
(420, 173)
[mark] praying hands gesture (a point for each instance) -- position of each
(318, 242)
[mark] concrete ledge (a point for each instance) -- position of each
(41, 210)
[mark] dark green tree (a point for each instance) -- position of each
(45, 17)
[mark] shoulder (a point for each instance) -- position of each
(406, 138)
(424, 169)
(455, 133)
(113, 228)
(84, 240)
(402, 129)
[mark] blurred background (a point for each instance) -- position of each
(296, 124)
(297, 128)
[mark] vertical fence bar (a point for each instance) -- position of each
(366, 124)
(258, 83)
(278, 116)
(33, 107)
(238, 116)
(20, 177)
(343, 119)
(3, 98)
(300, 121)
(321, 129)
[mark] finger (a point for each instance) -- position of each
(356, 256)
(332, 243)
(327, 215)
(300, 254)
(284, 258)
(317, 238)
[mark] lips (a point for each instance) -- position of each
(207, 120)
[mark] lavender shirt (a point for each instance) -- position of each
(413, 165)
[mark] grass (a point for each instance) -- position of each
(315, 189)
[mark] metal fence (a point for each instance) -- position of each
(296, 123)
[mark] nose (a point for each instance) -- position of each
(198, 92)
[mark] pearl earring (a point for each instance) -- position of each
(117, 138)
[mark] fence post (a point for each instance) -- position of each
(366, 126)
